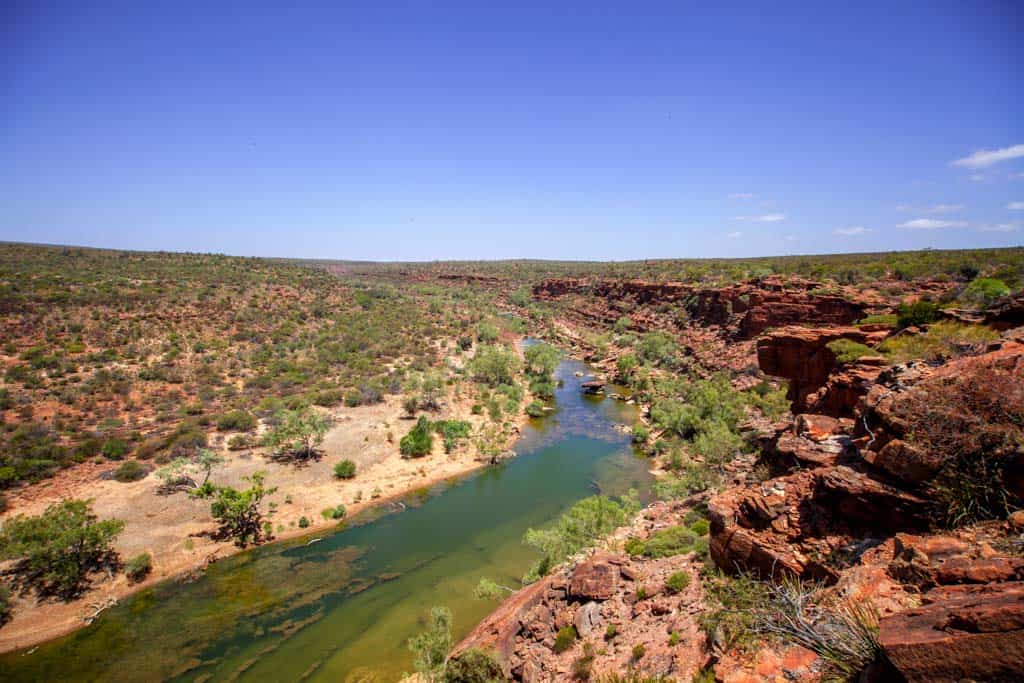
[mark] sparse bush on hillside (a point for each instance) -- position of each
(943, 339)
(346, 469)
(236, 421)
(138, 567)
(983, 291)
(917, 314)
(418, 442)
(129, 471)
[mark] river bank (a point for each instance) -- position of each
(288, 610)
(170, 527)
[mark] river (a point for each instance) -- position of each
(345, 605)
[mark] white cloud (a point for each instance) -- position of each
(984, 158)
(735, 235)
(999, 227)
(934, 208)
(1015, 206)
(931, 224)
(850, 232)
(741, 195)
(765, 218)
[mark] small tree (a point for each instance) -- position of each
(418, 442)
(346, 469)
(298, 433)
(57, 550)
(432, 645)
(181, 474)
(238, 512)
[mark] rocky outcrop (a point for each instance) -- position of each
(1006, 313)
(959, 633)
(744, 310)
(801, 356)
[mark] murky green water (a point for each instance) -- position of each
(293, 611)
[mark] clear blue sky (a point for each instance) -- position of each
(434, 130)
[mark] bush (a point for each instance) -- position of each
(418, 442)
(328, 397)
(236, 421)
(641, 434)
(57, 550)
(298, 433)
(535, 409)
(346, 469)
(239, 442)
(451, 432)
(565, 638)
(945, 338)
(983, 291)
(336, 512)
(848, 351)
(303, 522)
(678, 582)
(493, 365)
(585, 522)
(130, 470)
(473, 666)
(917, 314)
(674, 540)
(733, 606)
(138, 567)
(114, 449)
(638, 652)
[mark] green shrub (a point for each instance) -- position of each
(638, 652)
(565, 638)
(452, 431)
(700, 527)
(944, 338)
(535, 409)
(983, 291)
(236, 421)
(611, 631)
(130, 470)
(847, 350)
(493, 365)
(336, 512)
(641, 434)
(114, 449)
(239, 442)
(917, 314)
(418, 442)
(677, 582)
(674, 540)
(475, 665)
(138, 567)
(303, 522)
(346, 469)
(328, 397)
(734, 605)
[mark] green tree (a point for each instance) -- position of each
(418, 442)
(298, 433)
(493, 365)
(541, 362)
(57, 550)
(430, 648)
(238, 512)
(181, 473)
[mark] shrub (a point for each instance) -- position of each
(535, 409)
(475, 665)
(336, 512)
(565, 638)
(733, 606)
(240, 442)
(418, 442)
(638, 652)
(298, 433)
(945, 338)
(847, 350)
(674, 540)
(346, 469)
(303, 522)
(451, 432)
(641, 434)
(238, 512)
(582, 524)
(138, 567)
(236, 421)
(700, 527)
(114, 449)
(916, 314)
(430, 648)
(611, 631)
(493, 365)
(677, 582)
(983, 291)
(328, 397)
(57, 550)
(130, 470)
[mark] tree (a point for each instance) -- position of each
(238, 512)
(418, 442)
(493, 365)
(298, 433)
(488, 589)
(181, 473)
(57, 550)
(432, 645)
(541, 362)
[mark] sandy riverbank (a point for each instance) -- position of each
(164, 526)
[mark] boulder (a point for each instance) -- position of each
(961, 633)
(594, 579)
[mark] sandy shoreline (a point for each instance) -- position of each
(164, 526)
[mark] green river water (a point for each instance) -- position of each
(294, 611)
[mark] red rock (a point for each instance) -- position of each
(594, 579)
(966, 570)
(816, 427)
(976, 633)
(905, 461)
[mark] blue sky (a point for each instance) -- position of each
(587, 130)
